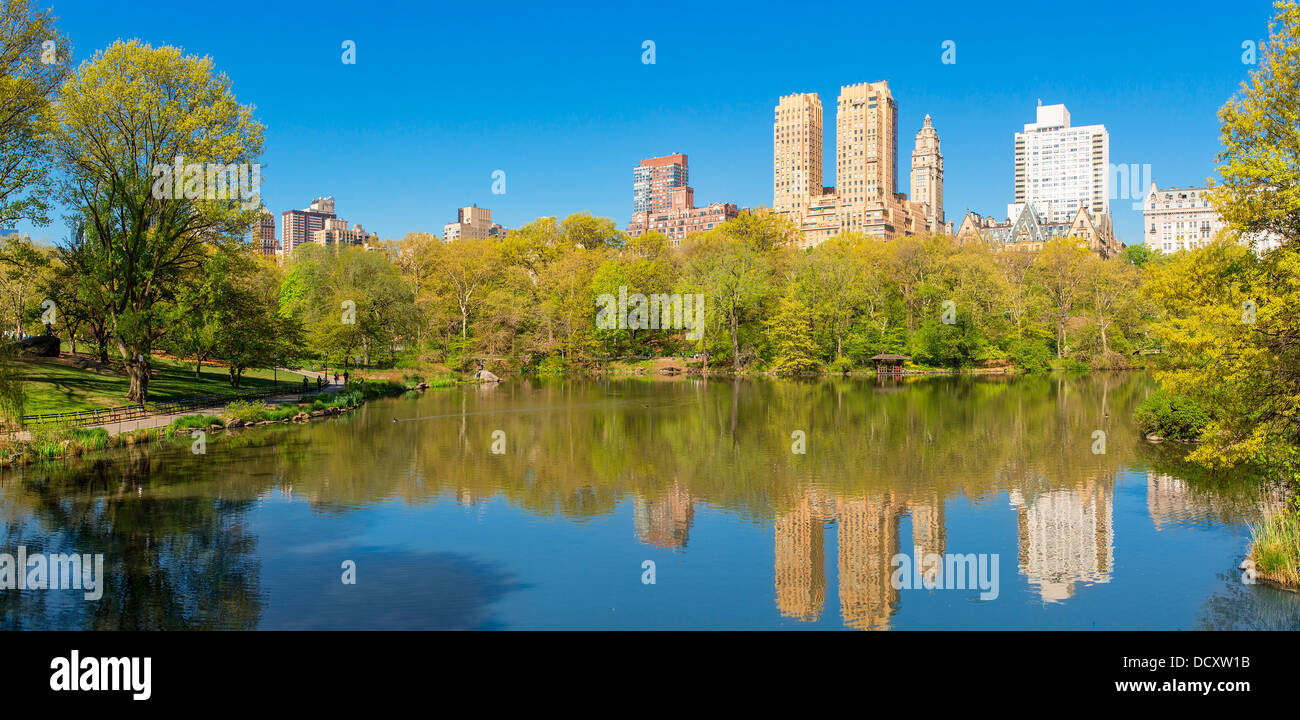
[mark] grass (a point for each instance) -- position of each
(1276, 544)
(54, 387)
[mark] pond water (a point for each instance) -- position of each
(939, 503)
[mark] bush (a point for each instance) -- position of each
(248, 412)
(840, 366)
(1030, 356)
(1172, 417)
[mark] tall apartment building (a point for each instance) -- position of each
(664, 203)
(865, 198)
(796, 153)
(1060, 168)
(297, 226)
(927, 174)
(654, 180)
(472, 223)
(264, 240)
(1184, 219)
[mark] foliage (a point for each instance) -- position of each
(1172, 417)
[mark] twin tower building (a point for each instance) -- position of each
(866, 198)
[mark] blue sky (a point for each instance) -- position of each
(556, 95)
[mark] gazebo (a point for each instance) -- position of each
(889, 364)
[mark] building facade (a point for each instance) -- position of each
(1029, 231)
(654, 180)
(336, 235)
(672, 202)
(297, 226)
(927, 174)
(264, 240)
(472, 223)
(1061, 169)
(1185, 219)
(865, 198)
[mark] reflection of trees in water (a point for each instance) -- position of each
(1238, 606)
(578, 449)
(177, 557)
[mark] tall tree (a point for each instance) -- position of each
(33, 64)
(127, 116)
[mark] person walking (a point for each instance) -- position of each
(304, 385)
(345, 377)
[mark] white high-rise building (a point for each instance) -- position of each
(1060, 168)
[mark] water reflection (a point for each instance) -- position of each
(251, 534)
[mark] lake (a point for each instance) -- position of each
(840, 503)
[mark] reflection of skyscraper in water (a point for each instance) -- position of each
(929, 533)
(1066, 536)
(800, 562)
(665, 521)
(1168, 500)
(868, 540)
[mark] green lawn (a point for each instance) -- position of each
(53, 387)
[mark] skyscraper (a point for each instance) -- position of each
(797, 153)
(1060, 168)
(927, 174)
(865, 198)
(654, 180)
(264, 240)
(297, 226)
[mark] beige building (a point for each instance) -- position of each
(472, 223)
(865, 198)
(927, 174)
(336, 234)
(797, 153)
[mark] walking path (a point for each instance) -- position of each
(157, 421)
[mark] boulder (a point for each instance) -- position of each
(317, 413)
(234, 422)
(486, 376)
(670, 370)
(40, 346)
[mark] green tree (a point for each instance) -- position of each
(28, 82)
(129, 112)
(790, 331)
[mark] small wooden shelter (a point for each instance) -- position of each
(889, 364)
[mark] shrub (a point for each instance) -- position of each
(841, 365)
(1172, 417)
(1030, 356)
(248, 412)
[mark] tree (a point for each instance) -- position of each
(32, 67)
(23, 267)
(791, 336)
(1061, 271)
(123, 120)
(732, 276)
(1260, 164)
(467, 266)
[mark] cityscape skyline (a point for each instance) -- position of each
(421, 155)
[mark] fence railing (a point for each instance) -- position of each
(105, 416)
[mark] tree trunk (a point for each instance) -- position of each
(139, 374)
(735, 342)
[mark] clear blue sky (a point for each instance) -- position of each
(556, 95)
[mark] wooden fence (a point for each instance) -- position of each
(104, 416)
